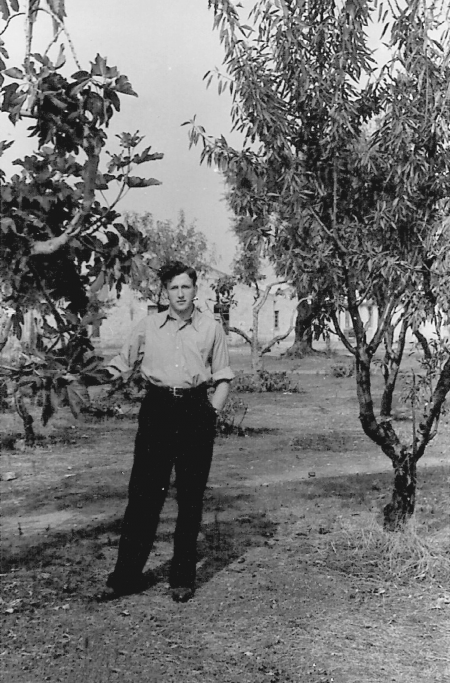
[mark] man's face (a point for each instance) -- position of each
(181, 292)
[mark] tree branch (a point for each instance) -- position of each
(353, 308)
(340, 334)
(48, 299)
(330, 234)
(265, 295)
(278, 338)
(383, 323)
(243, 334)
(62, 27)
(5, 333)
(45, 247)
(13, 16)
(423, 341)
(438, 398)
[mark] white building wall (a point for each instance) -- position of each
(125, 312)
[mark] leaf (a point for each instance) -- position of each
(61, 58)
(57, 6)
(128, 140)
(100, 182)
(42, 60)
(78, 398)
(17, 326)
(13, 101)
(135, 181)
(14, 72)
(29, 382)
(77, 87)
(4, 9)
(113, 98)
(8, 225)
(48, 406)
(146, 156)
(123, 85)
(98, 283)
(81, 76)
(94, 104)
(99, 66)
(59, 104)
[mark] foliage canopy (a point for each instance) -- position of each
(344, 172)
(61, 239)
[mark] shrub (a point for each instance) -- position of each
(4, 402)
(232, 416)
(265, 381)
(343, 369)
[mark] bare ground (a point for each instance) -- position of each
(294, 581)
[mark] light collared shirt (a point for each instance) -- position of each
(176, 353)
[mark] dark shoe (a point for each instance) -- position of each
(108, 594)
(182, 594)
(118, 588)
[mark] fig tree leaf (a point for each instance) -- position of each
(135, 181)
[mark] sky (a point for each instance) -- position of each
(165, 47)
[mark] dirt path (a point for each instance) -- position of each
(273, 454)
(293, 585)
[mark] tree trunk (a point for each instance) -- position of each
(386, 399)
(26, 418)
(302, 345)
(401, 507)
(391, 366)
(424, 344)
(256, 356)
(404, 460)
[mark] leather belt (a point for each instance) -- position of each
(178, 392)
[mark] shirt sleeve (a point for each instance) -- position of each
(220, 357)
(131, 353)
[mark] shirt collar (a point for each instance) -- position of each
(193, 320)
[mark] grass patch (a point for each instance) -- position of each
(365, 549)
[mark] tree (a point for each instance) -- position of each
(223, 288)
(155, 243)
(247, 269)
(352, 169)
(60, 243)
(311, 322)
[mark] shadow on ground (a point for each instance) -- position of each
(77, 556)
(76, 561)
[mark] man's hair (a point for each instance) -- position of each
(173, 268)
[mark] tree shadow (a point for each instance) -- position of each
(228, 531)
(221, 543)
(334, 440)
(256, 431)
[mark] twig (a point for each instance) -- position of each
(13, 16)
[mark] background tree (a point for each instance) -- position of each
(59, 242)
(154, 243)
(352, 169)
(248, 269)
(223, 288)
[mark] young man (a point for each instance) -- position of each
(180, 351)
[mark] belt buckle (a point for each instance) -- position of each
(176, 392)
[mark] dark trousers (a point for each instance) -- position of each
(178, 432)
